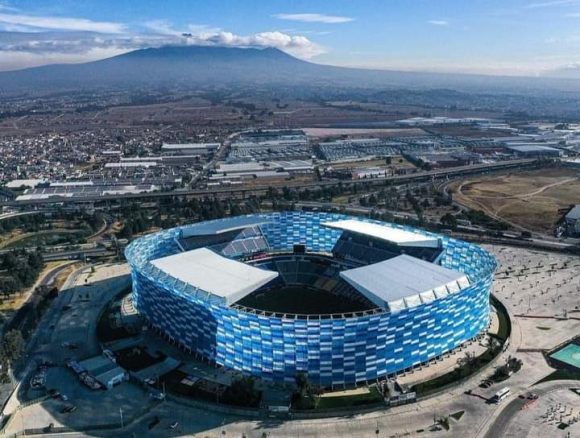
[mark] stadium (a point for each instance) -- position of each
(344, 299)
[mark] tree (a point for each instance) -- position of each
(242, 392)
(13, 345)
(306, 391)
(449, 221)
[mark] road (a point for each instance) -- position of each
(501, 423)
(243, 192)
(17, 214)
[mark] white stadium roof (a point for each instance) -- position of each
(224, 278)
(404, 281)
(222, 226)
(393, 235)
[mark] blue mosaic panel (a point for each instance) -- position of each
(333, 351)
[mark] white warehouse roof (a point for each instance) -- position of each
(225, 278)
(179, 146)
(404, 282)
(393, 235)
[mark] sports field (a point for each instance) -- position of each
(531, 200)
(301, 300)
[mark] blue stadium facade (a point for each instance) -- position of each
(333, 350)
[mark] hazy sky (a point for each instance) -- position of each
(474, 36)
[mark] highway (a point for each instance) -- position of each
(18, 214)
(243, 192)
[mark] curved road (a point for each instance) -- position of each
(502, 422)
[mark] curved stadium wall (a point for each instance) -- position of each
(333, 350)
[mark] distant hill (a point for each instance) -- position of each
(572, 72)
(197, 65)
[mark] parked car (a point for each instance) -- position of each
(69, 409)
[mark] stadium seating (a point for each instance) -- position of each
(366, 250)
(311, 271)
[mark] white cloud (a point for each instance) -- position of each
(19, 49)
(59, 23)
(17, 60)
(4, 7)
(439, 22)
(294, 44)
(28, 40)
(315, 18)
(551, 3)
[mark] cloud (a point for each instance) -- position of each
(25, 49)
(315, 18)
(59, 23)
(550, 3)
(294, 44)
(29, 40)
(7, 8)
(439, 22)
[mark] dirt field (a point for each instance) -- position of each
(527, 200)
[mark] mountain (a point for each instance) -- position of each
(570, 72)
(165, 65)
(201, 65)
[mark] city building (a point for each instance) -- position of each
(572, 221)
(377, 298)
(190, 148)
(534, 150)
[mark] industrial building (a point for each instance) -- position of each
(572, 221)
(357, 148)
(190, 148)
(264, 145)
(534, 150)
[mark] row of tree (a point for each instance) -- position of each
(19, 269)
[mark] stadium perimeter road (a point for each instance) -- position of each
(508, 414)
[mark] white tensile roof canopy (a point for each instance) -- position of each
(222, 226)
(404, 282)
(394, 235)
(227, 279)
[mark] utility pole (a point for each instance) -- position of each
(121, 414)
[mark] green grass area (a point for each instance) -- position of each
(504, 325)
(48, 238)
(341, 199)
(344, 401)
(302, 300)
(374, 396)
